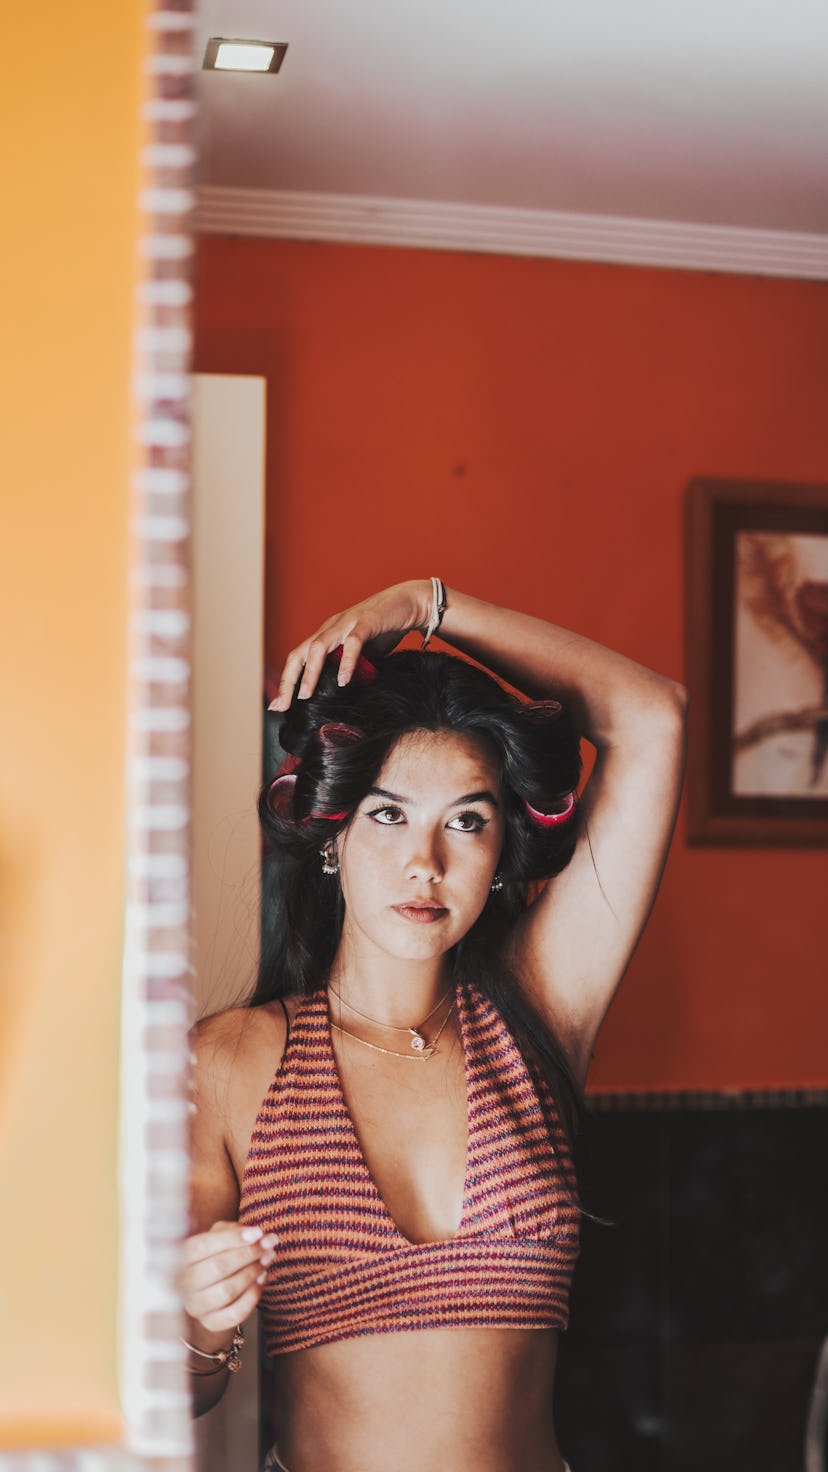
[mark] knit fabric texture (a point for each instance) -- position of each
(342, 1266)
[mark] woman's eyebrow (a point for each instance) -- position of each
(391, 796)
(484, 796)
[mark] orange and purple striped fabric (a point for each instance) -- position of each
(342, 1266)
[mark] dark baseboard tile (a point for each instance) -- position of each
(666, 1100)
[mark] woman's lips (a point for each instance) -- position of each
(421, 914)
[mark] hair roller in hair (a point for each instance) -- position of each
(280, 796)
(551, 820)
(337, 733)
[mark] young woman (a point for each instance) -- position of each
(382, 1144)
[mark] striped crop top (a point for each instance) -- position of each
(342, 1266)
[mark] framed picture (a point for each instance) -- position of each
(757, 662)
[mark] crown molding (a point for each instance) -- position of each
(359, 219)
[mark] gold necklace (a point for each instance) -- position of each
(418, 1042)
(421, 1053)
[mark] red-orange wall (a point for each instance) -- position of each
(526, 429)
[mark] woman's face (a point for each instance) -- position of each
(418, 858)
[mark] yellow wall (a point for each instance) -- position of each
(69, 118)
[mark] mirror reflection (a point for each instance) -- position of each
(472, 424)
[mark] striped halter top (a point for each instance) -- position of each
(342, 1266)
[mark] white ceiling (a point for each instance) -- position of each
(709, 112)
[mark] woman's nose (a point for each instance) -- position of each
(426, 861)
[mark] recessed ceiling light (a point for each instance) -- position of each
(223, 55)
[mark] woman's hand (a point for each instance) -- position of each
(376, 625)
(222, 1276)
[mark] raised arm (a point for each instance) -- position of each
(574, 943)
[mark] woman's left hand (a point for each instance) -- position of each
(376, 625)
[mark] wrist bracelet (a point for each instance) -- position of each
(227, 1359)
(439, 605)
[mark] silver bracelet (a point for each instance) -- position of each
(438, 608)
(228, 1359)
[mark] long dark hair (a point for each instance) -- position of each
(338, 741)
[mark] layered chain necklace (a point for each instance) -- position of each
(421, 1050)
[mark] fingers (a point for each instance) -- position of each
(380, 621)
(224, 1321)
(317, 652)
(220, 1304)
(221, 1237)
(294, 665)
(223, 1265)
(352, 646)
(304, 664)
(223, 1273)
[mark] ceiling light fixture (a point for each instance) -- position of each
(223, 55)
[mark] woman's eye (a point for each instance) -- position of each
(389, 817)
(468, 823)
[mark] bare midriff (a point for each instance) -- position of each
(436, 1400)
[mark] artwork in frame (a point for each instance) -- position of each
(757, 662)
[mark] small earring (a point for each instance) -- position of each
(497, 884)
(330, 863)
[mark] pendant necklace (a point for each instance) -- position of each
(422, 1049)
(418, 1042)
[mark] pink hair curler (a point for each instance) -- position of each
(337, 733)
(280, 799)
(280, 795)
(551, 820)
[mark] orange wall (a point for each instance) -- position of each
(526, 428)
(69, 180)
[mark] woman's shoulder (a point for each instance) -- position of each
(241, 1043)
(235, 1056)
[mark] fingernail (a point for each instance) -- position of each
(270, 1240)
(274, 705)
(341, 679)
(268, 1260)
(251, 1234)
(262, 1278)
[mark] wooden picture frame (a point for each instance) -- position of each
(757, 662)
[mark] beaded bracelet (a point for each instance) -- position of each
(228, 1359)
